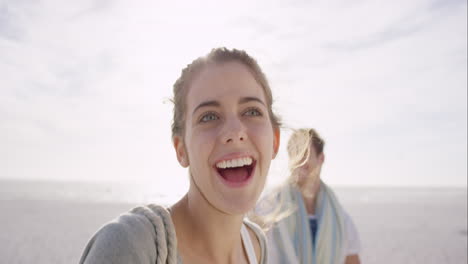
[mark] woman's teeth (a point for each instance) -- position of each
(234, 163)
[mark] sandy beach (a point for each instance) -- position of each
(399, 229)
(50, 231)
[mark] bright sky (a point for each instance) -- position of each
(84, 84)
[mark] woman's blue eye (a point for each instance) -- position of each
(209, 117)
(253, 112)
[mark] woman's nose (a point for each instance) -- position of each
(234, 131)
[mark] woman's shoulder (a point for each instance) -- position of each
(140, 236)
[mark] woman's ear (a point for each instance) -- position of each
(276, 141)
(181, 152)
(321, 158)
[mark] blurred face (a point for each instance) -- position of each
(309, 173)
(229, 141)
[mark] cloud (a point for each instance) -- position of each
(94, 8)
(83, 83)
(8, 30)
(395, 32)
(446, 4)
(408, 25)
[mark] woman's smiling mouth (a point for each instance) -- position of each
(236, 172)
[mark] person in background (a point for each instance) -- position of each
(225, 132)
(308, 224)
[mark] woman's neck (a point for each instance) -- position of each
(310, 199)
(309, 203)
(206, 234)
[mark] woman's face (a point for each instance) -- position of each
(309, 173)
(229, 139)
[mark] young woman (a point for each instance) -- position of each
(309, 225)
(225, 133)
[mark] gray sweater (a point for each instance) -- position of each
(144, 235)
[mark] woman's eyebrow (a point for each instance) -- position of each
(214, 103)
(244, 100)
(205, 104)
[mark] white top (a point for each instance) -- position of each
(248, 246)
(353, 243)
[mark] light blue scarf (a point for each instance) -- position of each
(292, 235)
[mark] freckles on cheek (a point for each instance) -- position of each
(202, 138)
(262, 131)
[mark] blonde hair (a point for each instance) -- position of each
(216, 56)
(299, 147)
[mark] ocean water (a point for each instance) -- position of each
(99, 192)
(395, 225)
(145, 192)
